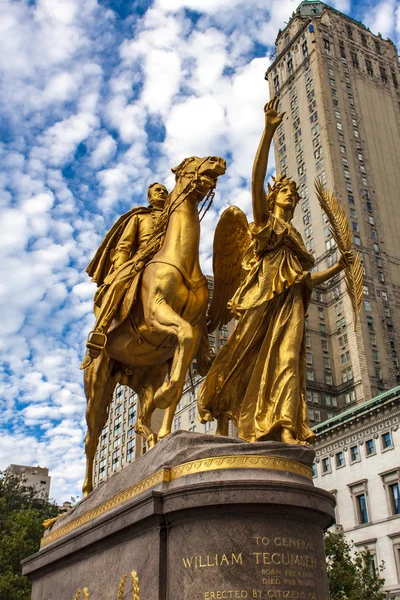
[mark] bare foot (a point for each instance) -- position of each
(288, 437)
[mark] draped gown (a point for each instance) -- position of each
(258, 377)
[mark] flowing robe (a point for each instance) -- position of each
(258, 377)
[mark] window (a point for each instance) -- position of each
(312, 396)
(363, 39)
(328, 379)
(367, 305)
(314, 469)
(132, 415)
(208, 425)
(115, 460)
(326, 466)
(354, 454)
(394, 495)
(327, 45)
(345, 357)
(347, 374)
(354, 59)
(340, 323)
(177, 423)
(324, 344)
(362, 509)
(386, 440)
(350, 397)
(192, 413)
(117, 426)
(369, 447)
(368, 65)
(339, 460)
(130, 450)
(394, 78)
(310, 374)
(102, 468)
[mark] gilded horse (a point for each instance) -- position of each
(151, 350)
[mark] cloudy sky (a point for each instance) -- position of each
(99, 99)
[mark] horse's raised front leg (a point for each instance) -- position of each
(169, 413)
(99, 384)
(161, 318)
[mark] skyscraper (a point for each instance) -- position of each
(339, 86)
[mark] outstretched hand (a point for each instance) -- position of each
(272, 118)
(346, 259)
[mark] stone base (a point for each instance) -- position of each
(199, 517)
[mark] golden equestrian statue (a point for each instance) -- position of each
(262, 277)
(159, 317)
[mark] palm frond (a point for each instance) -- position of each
(135, 585)
(121, 587)
(339, 227)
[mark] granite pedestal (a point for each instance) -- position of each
(197, 518)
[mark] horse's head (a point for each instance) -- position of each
(200, 173)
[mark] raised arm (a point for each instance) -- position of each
(320, 277)
(272, 121)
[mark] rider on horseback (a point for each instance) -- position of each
(114, 267)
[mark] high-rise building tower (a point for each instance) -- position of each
(339, 85)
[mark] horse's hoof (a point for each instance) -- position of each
(87, 488)
(151, 441)
(161, 397)
(162, 434)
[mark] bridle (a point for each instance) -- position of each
(190, 187)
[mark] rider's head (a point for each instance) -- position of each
(157, 194)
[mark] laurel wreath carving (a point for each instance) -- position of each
(84, 592)
(340, 230)
(121, 588)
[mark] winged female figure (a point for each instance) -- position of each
(263, 278)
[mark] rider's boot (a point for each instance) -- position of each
(95, 345)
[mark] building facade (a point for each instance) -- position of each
(339, 86)
(37, 478)
(358, 461)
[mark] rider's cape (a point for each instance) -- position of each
(100, 266)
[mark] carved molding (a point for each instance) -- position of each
(193, 467)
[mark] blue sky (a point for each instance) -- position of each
(99, 99)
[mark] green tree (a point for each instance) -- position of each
(351, 574)
(22, 513)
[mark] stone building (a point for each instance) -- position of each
(37, 478)
(358, 460)
(339, 86)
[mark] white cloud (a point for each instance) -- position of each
(95, 109)
(381, 17)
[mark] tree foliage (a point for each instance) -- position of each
(351, 574)
(22, 513)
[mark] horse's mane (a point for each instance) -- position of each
(154, 243)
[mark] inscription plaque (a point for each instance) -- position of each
(249, 557)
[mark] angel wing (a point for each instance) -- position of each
(340, 230)
(232, 239)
